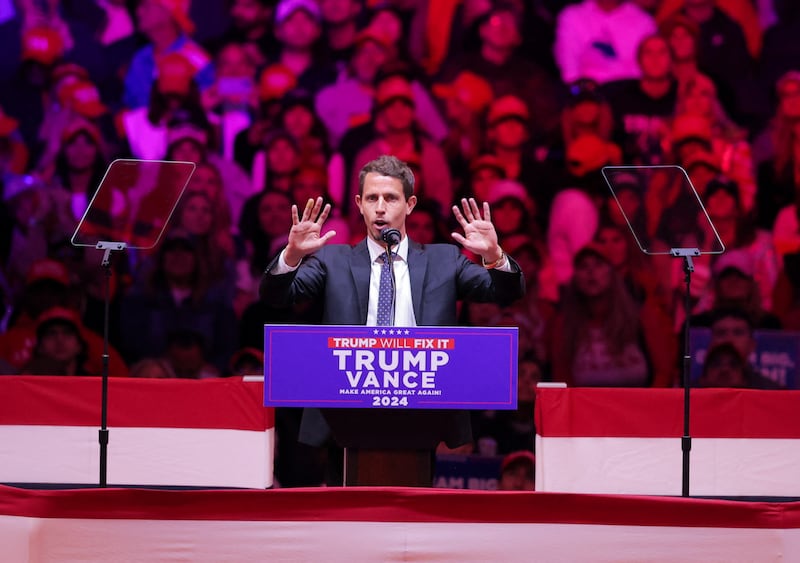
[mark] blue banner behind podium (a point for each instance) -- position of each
(333, 366)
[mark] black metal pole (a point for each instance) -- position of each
(103, 433)
(686, 439)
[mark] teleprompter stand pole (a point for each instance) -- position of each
(107, 248)
(686, 439)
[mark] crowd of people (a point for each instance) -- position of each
(519, 103)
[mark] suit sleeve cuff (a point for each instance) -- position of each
(281, 267)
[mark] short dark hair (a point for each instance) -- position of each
(721, 313)
(388, 165)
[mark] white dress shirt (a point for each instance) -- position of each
(404, 306)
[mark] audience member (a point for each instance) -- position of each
(347, 103)
(779, 153)
(174, 294)
(735, 285)
(60, 348)
(500, 62)
(13, 151)
(484, 172)
(466, 100)
(152, 368)
(50, 285)
(599, 334)
(247, 361)
(786, 297)
(699, 108)
(340, 21)
(167, 26)
(252, 28)
(35, 228)
(425, 225)
(683, 36)
(504, 432)
(745, 245)
(298, 28)
(780, 52)
(587, 111)
(723, 52)
(174, 98)
(79, 168)
(207, 179)
(231, 101)
(186, 354)
(220, 177)
(517, 472)
(599, 39)
(724, 366)
(734, 327)
(195, 214)
(641, 281)
(508, 137)
(396, 124)
(24, 95)
(514, 212)
(297, 117)
(642, 107)
(273, 83)
(275, 166)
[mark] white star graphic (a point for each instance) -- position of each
(408, 331)
(391, 331)
(383, 331)
(375, 331)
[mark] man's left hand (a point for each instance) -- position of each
(479, 235)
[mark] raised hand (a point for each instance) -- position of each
(304, 236)
(479, 235)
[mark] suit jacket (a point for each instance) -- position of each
(440, 276)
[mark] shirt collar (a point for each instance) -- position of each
(376, 249)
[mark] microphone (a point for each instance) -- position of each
(390, 236)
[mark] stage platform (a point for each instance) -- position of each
(387, 524)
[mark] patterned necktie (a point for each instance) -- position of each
(385, 301)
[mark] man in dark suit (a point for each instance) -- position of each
(429, 280)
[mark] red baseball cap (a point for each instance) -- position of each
(48, 269)
(42, 44)
(392, 88)
(82, 97)
(508, 107)
(7, 124)
(516, 457)
(275, 81)
(469, 88)
(175, 74)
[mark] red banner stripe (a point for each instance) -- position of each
(397, 505)
(656, 413)
(161, 403)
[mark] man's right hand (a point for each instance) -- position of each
(304, 236)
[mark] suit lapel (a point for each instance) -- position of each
(417, 267)
(360, 268)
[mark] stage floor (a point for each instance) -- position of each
(387, 524)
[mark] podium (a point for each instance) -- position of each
(389, 395)
(393, 448)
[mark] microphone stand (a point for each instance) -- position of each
(686, 439)
(391, 237)
(107, 248)
(394, 282)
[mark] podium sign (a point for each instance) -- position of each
(331, 366)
